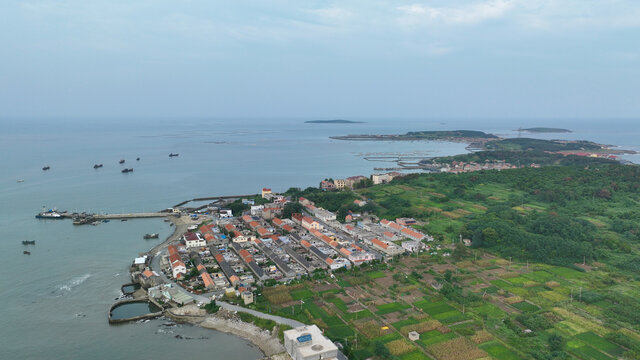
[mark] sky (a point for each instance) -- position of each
(320, 59)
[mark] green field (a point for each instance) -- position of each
(601, 343)
(391, 307)
(499, 351)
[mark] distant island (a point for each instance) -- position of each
(337, 121)
(544, 130)
(450, 135)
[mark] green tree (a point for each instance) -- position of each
(212, 307)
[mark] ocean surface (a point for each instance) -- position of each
(55, 301)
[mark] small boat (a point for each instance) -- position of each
(95, 223)
(151, 236)
(46, 168)
(137, 159)
(173, 154)
(26, 252)
(124, 171)
(96, 166)
(49, 214)
(123, 219)
(20, 180)
(28, 242)
(106, 220)
(121, 161)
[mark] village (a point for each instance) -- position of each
(229, 255)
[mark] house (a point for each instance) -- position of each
(352, 180)
(381, 178)
(412, 245)
(324, 215)
(247, 297)
(388, 235)
(310, 224)
(207, 280)
(256, 210)
(178, 268)
(327, 185)
(225, 213)
(192, 240)
(360, 203)
(309, 343)
(406, 221)
(386, 247)
(266, 192)
(412, 234)
(248, 202)
(340, 183)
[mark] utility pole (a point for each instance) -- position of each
(580, 293)
(572, 295)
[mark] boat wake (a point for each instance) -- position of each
(73, 283)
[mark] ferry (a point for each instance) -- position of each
(49, 214)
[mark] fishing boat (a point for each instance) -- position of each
(26, 252)
(173, 154)
(137, 159)
(20, 180)
(96, 166)
(124, 171)
(28, 242)
(121, 161)
(151, 236)
(46, 168)
(49, 214)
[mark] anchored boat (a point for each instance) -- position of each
(49, 214)
(151, 236)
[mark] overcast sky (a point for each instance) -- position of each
(320, 59)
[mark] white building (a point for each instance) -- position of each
(256, 210)
(324, 215)
(308, 343)
(194, 240)
(412, 245)
(381, 178)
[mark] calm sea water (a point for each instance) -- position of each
(55, 301)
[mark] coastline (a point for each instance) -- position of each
(227, 322)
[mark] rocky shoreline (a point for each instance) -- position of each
(228, 322)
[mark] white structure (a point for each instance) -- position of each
(194, 240)
(412, 245)
(256, 210)
(308, 343)
(381, 178)
(225, 213)
(414, 336)
(324, 215)
(309, 224)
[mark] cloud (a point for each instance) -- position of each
(469, 14)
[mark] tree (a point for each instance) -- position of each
(212, 307)
(460, 252)
(556, 342)
(291, 208)
(382, 351)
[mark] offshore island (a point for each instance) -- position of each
(513, 252)
(336, 121)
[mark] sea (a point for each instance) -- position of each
(55, 301)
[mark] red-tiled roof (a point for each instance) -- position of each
(412, 233)
(287, 227)
(262, 231)
(147, 273)
(206, 279)
(277, 221)
(380, 243)
(345, 252)
(305, 243)
(254, 224)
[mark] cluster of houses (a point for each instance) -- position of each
(228, 253)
